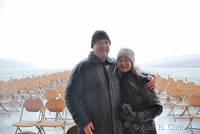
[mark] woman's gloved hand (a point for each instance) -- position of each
(127, 112)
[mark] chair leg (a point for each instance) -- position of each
(198, 111)
(64, 128)
(173, 114)
(42, 128)
(64, 131)
(172, 108)
(3, 108)
(189, 124)
(183, 112)
(22, 100)
(17, 130)
(13, 106)
(39, 130)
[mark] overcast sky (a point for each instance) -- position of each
(57, 33)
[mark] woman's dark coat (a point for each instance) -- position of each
(143, 102)
(92, 94)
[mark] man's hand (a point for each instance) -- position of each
(88, 129)
(152, 82)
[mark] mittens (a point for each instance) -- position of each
(127, 112)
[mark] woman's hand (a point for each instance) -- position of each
(88, 129)
(127, 112)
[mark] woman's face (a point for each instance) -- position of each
(124, 64)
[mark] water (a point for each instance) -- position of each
(187, 74)
(7, 74)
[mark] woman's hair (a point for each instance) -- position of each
(134, 70)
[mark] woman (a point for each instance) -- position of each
(139, 105)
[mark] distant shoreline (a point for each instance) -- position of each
(186, 74)
(17, 73)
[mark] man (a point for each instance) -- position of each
(92, 90)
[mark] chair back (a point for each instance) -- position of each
(33, 104)
(55, 105)
(162, 84)
(50, 93)
(194, 101)
(61, 88)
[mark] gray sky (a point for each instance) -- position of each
(57, 33)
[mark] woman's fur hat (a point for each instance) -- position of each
(126, 52)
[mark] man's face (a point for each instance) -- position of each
(101, 48)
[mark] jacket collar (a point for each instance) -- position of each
(95, 60)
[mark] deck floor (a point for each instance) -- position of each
(164, 124)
